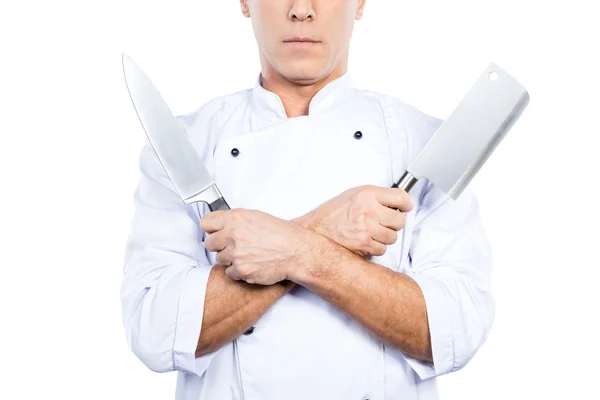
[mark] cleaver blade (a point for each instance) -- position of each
(467, 138)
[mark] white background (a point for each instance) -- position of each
(70, 143)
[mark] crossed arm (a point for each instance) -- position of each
(441, 305)
(322, 251)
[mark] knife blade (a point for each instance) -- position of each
(170, 142)
(466, 139)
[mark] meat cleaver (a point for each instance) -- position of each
(466, 139)
(169, 140)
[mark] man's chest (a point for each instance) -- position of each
(291, 168)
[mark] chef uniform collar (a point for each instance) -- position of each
(267, 106)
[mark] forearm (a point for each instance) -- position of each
(231, 307)
(388, 304)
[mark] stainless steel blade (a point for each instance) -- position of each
(467, 138)
(169, 140)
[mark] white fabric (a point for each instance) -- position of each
(303, 347)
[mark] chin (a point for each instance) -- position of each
(305, 71)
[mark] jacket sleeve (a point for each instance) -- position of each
(451, 260)
(165, 274)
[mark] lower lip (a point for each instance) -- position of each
(302, 45)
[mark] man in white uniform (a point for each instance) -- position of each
(313, 285)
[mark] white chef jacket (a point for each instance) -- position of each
(303, 347)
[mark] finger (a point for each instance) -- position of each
(394, 198)
(377, 249)
(217, 241)
(213, 221)
(382, 234)
(232, 273)
(391, 218)
(225, 256)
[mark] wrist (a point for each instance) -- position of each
(305, 221)
(316, 252)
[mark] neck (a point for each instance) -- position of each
(296, 95)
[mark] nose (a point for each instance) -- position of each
(301, 10)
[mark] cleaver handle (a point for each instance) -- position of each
(406, 182)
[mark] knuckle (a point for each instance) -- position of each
(364, 240)
(366, 231)
(236, 255)
(360, 193)
(237, 214)
(244, 270)
(367, 190)
(352, 190)
(205, 223)
(251, 215)
(237, 234)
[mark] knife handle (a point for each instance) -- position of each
(219, 204)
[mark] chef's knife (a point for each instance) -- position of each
(169, 140)
(466, 139)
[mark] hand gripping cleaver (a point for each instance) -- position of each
(466, 139)
(169, 140)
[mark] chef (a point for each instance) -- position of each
(322, 281)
